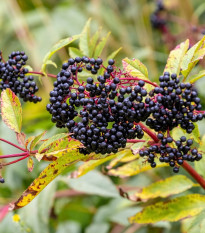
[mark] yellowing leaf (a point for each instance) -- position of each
(173, 210)
(47, 175)
(61, 147)
(51, 140)
(11, 110)
(36, 140)
(134, 168)
(175, 58)
(135, 68)
(62, 43)
(21, 138)
(164, 188)
(193, 55)
(30, 164)
(90, 165)
(196, 77)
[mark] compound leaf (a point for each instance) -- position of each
(175, 58)
(172, 210)
(135, 68)
(164, 188)
(11, 110)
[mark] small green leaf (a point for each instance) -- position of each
(193, 55)
(195, 224)
(46, 176)
(30, 164)
(93, 42)
(196, 77)
(51, 140)
(164, 188)
(11, 110)
(74, 52)
(172, 210)
(175, 58)
(50, 62)
(100, 46)
(112, 55)
(85, 38)
(36, 140)
(134, 168)
(62, 43)
(135, 68)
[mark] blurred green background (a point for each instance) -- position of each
(92, 203)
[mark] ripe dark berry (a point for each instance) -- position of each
(2, 180)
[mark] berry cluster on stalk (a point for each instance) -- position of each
(175, 104)
(100, 113)
(13, 76)
(173, 155)
(105, 111)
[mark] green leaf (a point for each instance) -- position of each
(112, 56)
(47, 175)
(175, 58)
(61, 147)
(135, 68)
(195, 224)
(98, 227)
(172, 210)
(36, 140)
(193, 55)
(90, 165)
(93, 42)
(74, 52)
(100, 46)
(85, 38)
(51, 140)
(179, 132)
(134, 168)
(62, 43)
(11, 110)
(164, 188)
(196, 77)
(199, 165)
(92, 183)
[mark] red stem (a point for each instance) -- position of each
(185, 165)
(13, 155)
(15, 161)
(42, 74)
(194, 174)
(12, 144)
(149, 132)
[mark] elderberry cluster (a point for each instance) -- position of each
(101, 114)
(13, 76)
(175, 104)
(174, 156)
(156, 20)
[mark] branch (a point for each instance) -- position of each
(13, 155)
(12, 144)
